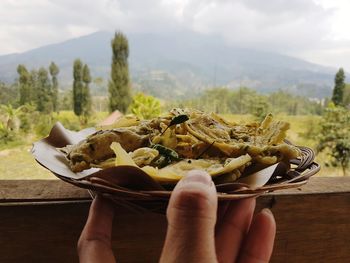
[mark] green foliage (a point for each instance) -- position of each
(44, 125)
(243, 99)
(66, 100)
(281, 101)
(9, 93)
(3, 131)
(248, 101)
(54, 70)
(25, 89)
(311, 130)
(27, 118)
(339, 86)
(145, 107)
(16, 122)
(86, 74)
(260, 107)
(69, 120)
(78, 87)
(6, 136)
(82, 101)
(119, 86)
(9, 123)
(346, 96)
(44, 92)
(219, 98)
(334, 136)
(10, 116)
(35, 86)
(86, 97)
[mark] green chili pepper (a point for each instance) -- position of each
(166, 152)
(167, 156)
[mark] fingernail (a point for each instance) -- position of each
(266, 211)
(197, 176)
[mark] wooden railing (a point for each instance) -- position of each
(40, 221)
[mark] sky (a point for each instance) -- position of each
(314, 30)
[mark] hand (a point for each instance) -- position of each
(197, 230)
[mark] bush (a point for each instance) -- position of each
(144, 106)
(334, 136)
(42, 128)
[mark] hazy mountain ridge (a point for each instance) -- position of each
(179, 65)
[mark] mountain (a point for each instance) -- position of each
(179, 65)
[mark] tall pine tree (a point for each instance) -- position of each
(25, 94)
(119, 84)
(86, 97)
(34, 84)
(44, 93)
(339, 86)
(77, 87)
(54, 70)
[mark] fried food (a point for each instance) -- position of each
(96, 148)
(167, 147)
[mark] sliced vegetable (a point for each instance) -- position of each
(121, 156)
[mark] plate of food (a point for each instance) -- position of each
(140, 161)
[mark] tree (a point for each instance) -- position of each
(145, 107)
(334, 136)
(34, 83)
(9, 93)
(66, 100)
(44, 92)
(9, 123)
(241, 102)
(86, 97)
(54, 70)
(339, 86)
(81, 91)
(283, 101)
(77, 87)
(27, 117)
(259, 107)
(346, 96)
(119, 86)
(25, 95)
(11, 116)
(216, 100)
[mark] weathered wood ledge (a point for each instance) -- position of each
(40, 221)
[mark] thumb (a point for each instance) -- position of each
(191, 218)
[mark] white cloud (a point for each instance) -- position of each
(311, 29)
(277, 27)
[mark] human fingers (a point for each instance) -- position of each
(232, 228)
(222, 208)
(258, 244)
(191, 218)
(94, 244)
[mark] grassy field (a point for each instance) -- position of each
(18, 163)
(16, 160)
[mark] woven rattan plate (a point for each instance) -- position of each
(134, 187)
